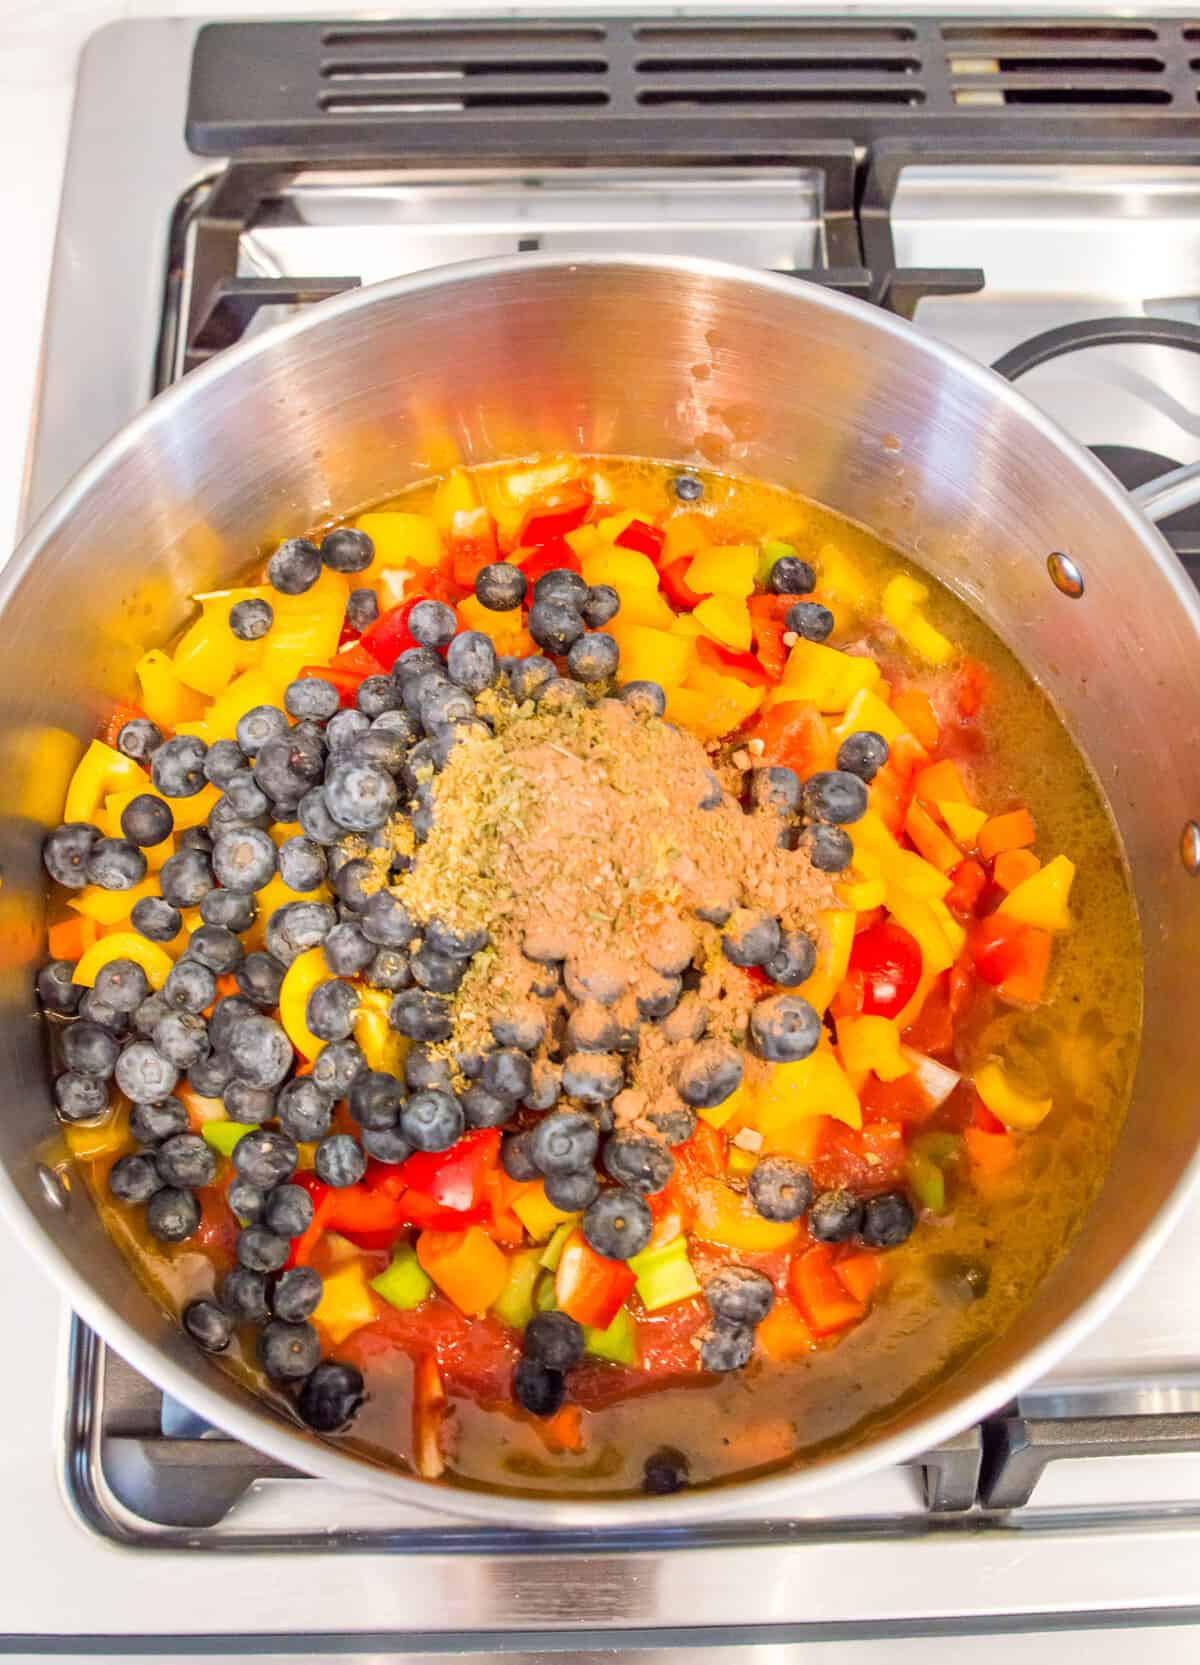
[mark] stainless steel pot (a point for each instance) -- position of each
(677, 359)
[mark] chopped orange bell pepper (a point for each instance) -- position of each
(913, 707)
(929, 839)
(783, 1335)
(941, 782)
(1013, 867)
(990, 1155)
(860, 1274)
(826, 1303)
(467, 1267)
(68, 939)
(1014, 831)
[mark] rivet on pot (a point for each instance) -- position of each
(53, 1188)
(1064, 574)
(1189, 847)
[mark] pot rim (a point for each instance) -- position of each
(256, 1425)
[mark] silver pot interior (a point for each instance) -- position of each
(675, 360)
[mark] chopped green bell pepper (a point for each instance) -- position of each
(223, 1136)
(515, 1303)
(552, 1253)
(405, 1284)
(664, 1275)
(544, 1298)
(929, 1154)
(618, 1343)
(772, 550)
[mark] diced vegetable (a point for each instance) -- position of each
(617, 1343)
(467, 1267)
(727, 569)
(100, 771)
(937, 1080)
(1041, 900)
(1013, 867)
(124, 945)
(825, 1302)
(725, 618)
(345, 1304)
(825, 675)
(1013, 1106)
(537, 1213)
(784, 1335)
(964, 821)
(305, 973)
(223, 1136)
(1014, 831)
(872, 1043)
(514, 1304)
(889, 959)
(552, 1253)
(902, 598)
(590, 1287)
(405, 1284)
(664, 1275)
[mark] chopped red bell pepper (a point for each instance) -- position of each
(472, 545)
(744, 666)
(768, 627)
(890, 961)
(589, 1287)
(564, 507)
(999, 947)
(675, 587)
(369, 1219)
(555, 556)
(646, 539)
(389, 636)
(983, 1118)
(121, 715)
(454, 1178)
(970, 882)
(794, 734)
(347, 681)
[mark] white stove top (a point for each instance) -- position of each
(1113, 1537)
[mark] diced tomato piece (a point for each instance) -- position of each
(825, 1302)
(890, 961)
(563, 508)
(867, 1159)
(476, 1356)
(997, 947)
(550, 557)
(932, 1030)
(795, 734)
(903, 1101)
(970, 882)
(678, 592)
(646, 539)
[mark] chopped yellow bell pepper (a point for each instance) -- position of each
(938, 951)
(861, 895)
(867, 711)
(726, 619)
(382, 1047)
(609, 529)
(455, 494)
(123, 945)
(306, 630)
(727, 569)
(840, 582)
(1016, 1109)
(723, 1215)
(304, 974)
(193, 811)
(813, 1086)
(401, 540)
(164, 698)
(205, 657)
(507, 633)
(1041, 899)
(834, 943)
(649, 607)
(584, 540)
(100, 771)
(902, 597)
(346, 1302)
(902, 869)
(538, 1214)
(652, 655)
(624, 569)
(872, 1043)
(110, 907)
(964, 821)
(738, 1106)
(825, 675)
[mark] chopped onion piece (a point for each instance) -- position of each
(938, 1081)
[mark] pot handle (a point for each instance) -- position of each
(1170, 493)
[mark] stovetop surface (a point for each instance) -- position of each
(1057, 242)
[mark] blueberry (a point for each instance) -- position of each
(190, 986)
(146, 820)
(186, 878)
(186, 1161)
(55, 989)
(311, 699)
(304, 1109)
(297, 1293)
(172, 1216)
(362, 609)
(251, 619)
(143, 1074)
(688, 1021)
(791, 576)
(247, 801)
(593, 1077)
(432, 1119)
(459, 942)
(211, 1074)
(776, 789)
(592, 1028)
(738, 1295)
(353, 883)
(79, 1097)
(500, 586)
(234, 910)
(665, 1471)
(780, 1188)
(207, 1325)
(646, 698)
(432, 624)
(223, 760)
(139, 739)
(377, 694)
(330, 1396)
(359, 796)
(223, 818)
(658, 996)
(394, 721)
(288, 1352)
(441, 702)
(197, 838)
(527, 677)
(863, 754)
(261, 1052)
(750, 938)
(337, 1067)
(116, 864)
(538, 1390)
(287, 1212)
(420, 1016)
(244, 860)
(375, 1099)
(134, 1179)
(331, 1010)
(436, 972)
(341, 732)
(386, 1144)
(177, 767)
(834, 1216)
(794, 961)
(297, 927)
(638, 1162)
(599, 605)
(294, 567)
(727, 1347)
(122, 984)
(888, 1220)
(618, 1224)
(784, 1028)
(423, 1068)
(386, 921)
(182, 1038)
(389, 969)
(340, 1160)
(244, 1294)
(834, 795)
(66, 853)
(484, 1109)
(258, 1249)
(346, 950)
(227, 1016)
(708, 1074)
(593, 658)
(561, 584)
(517, 1159)
(555, 1340)
(687, 488)
(94, 1010)
(555, 624)
(829, 849)
(597, 980)
(90, 1050)
(523, 1027)
(674, 1123)
(545, 1088)
(471, 661)
(414, 662)
(572, 1192)
(346, 549)
(152, 1124)
(217, 948)
(810, 620)
(416, 688)
(288, 766)
(507, 1073)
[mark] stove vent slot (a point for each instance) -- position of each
(996, 65)
(447, 71)
(729, 65)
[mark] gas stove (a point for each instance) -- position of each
(993, 180)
